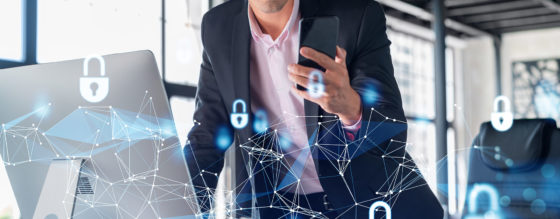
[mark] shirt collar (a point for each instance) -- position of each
(259, 36)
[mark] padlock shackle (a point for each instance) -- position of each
(317, 74)
(239, 101)
(507, 104)
(483, 188)
(101, 64)
(382, 204)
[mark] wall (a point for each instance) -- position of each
(475, 91)
(478, 88)
(477, 82)
(527, 45)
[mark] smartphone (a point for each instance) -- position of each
(321, 34)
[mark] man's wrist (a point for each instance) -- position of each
(354, 113)
(350, 120)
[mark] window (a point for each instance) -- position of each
(183, 56)
(182, 39)
(11, 38)
(76, 29)
(413, 61)
(11, 49)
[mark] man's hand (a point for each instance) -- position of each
(339, 97)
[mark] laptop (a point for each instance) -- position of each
(93, 138)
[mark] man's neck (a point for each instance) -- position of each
(274, 23)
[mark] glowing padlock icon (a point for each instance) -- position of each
(502, 121)
(239, 120)
(94, 89)
(261, 122)
(381, 204)
(493, 210)
(315, 86)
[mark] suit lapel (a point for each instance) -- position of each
(240, 58)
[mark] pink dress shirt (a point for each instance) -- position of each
(271, 92)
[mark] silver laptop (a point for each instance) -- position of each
(93, 138)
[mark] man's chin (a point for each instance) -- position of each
(271, 6)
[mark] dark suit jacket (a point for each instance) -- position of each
(369, 176)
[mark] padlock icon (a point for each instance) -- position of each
(239, 120)
(493, 210)
(261, 122)
(502, 121)
(315, 86)
(94, 89)
(381, 204)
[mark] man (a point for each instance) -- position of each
(345, 149)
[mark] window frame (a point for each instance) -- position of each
(30, 49)
(29, 34)
(174, 89)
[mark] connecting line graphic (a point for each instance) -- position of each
(265, 152)
(124, 151)
(106, 131)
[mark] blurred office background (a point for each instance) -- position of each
(492, 47)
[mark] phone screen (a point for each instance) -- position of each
(321, 34)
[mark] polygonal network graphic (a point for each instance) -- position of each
(133, 161)
(271, 158)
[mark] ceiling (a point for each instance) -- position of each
(493, 17)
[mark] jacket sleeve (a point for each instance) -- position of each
(371, 73)
(204, 158)
(385, 122)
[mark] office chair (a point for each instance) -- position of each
(516, 173)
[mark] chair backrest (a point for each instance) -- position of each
(522, 165)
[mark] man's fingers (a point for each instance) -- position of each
(300, 70)
(304, 94)
(318, 57)
(340, 55)
(298, 79)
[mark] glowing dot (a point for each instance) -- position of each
(538, 206)
(529, 194)
(509, 162)
(505, 201)
(548, 171)
(497, 156)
